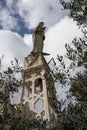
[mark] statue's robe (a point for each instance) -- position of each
(38, 38)
(37, 43)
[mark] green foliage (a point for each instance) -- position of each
(79, 87)
(76, 57)
(77, 52)
(8, 78)
(78, 10)
(74, 115)
(9, 83)
(22, 123)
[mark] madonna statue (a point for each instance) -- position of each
(38, 38)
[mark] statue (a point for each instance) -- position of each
(38, 38)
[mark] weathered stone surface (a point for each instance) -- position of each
(38, 38)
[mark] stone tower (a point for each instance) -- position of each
(38, 91)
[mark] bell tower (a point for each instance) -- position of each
(38, 91)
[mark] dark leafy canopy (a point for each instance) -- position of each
(8, 78)
(79, 87)
(74, 116)
(78, 10)
(76, 55)
(9, 83)
(77, 52)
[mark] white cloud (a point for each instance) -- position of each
(32, 12)
(7, 21)
(9, 2)
(28, 40)
(12, 45)
(60, 34)
(35, 11)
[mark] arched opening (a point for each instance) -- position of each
(29, 88)
(38, 86)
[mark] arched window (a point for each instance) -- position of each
(29, 87)
(38, 86)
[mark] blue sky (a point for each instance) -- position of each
(14, 16)
(22, 15)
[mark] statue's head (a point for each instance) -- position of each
(41, 24)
